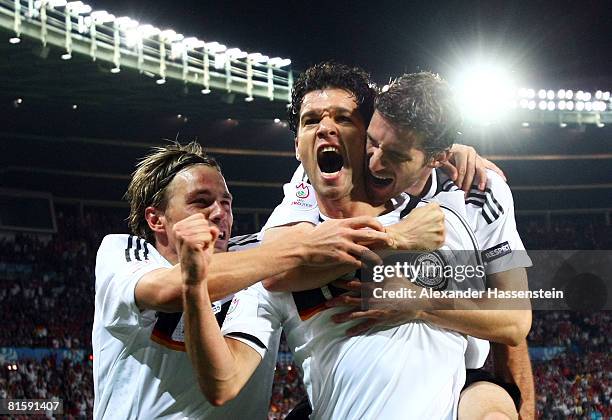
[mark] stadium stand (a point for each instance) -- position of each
(46, 292)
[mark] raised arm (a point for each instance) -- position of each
(222, 366)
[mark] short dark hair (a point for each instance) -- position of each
(330, 74)
(152, 176)
(422, 102)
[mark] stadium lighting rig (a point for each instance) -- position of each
(489, 94)
(164, 53)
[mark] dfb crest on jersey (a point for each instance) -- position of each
(431, 271)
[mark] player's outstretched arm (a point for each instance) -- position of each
(512, 364)
(222, 368)
(506, 321)
(480, 318)
(293, 247)
(348, 241)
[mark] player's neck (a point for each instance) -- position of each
(422, 186)
(349, 206)
(165, 250)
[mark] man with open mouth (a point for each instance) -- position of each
(404, 152)
(414, 370)
(180, 209)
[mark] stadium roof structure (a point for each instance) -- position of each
(74, 128)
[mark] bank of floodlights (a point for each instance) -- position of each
(489, 94)
(153, 51)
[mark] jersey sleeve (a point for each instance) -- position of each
(299, 204)
(253, 319)
(495, 226)
(121, 262)
(476, 352)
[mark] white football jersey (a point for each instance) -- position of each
(490, 214)
(413, 371)
(140, 367)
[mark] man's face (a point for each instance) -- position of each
(200, 189)
(394, 162)
(330, 142)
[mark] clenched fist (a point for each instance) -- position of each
(423, 229)
(195, 239)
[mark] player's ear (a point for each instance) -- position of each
(297, 152)
(155, 219)
(439, 159)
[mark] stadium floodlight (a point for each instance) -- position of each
(561, 94)
(550, 95)
(193, 43)
(598, 94)
(78, 7)
(215, 48)
(605, 96)
(542, 94)
(561, 105)
(532, 105)
(258, 58)
(542, 105)
(279, 62)
(236, 53)
(125, 23)
(485, 91)
(101, 16)
(524, 103)
(551, 105)
(579, 95)
(587, 96)
(530, 93)
(569, 94)
(579, 105)
(147, 31)
(170, 35)
(588, 106)
(570, 105)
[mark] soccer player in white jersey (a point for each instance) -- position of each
(410, 371)
(398, 162)
(141, 367)
(490, 212)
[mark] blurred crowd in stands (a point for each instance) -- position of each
(47, 298)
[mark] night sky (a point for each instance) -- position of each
(550, 44)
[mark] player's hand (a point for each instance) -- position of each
(422, 229)
(466, 168)
(344, 241)
(195, 239)
(380, 312)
